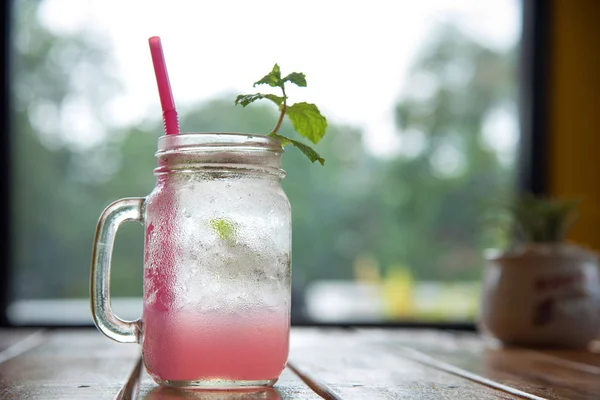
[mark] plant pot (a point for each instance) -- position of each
(542, 295)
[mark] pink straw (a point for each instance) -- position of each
(164, 87)
(164, 295)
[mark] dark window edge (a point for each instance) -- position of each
(5, 167)
(534, 75)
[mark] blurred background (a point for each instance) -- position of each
(422, 146)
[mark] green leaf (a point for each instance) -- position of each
(275, 99)
(297, 78)
(225, 229)
(272, 79)
(307, 150)
(245, 99)
(284, 140)
(307, 120)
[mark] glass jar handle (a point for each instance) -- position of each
(112, 217)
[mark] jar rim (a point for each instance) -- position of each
(217, 141)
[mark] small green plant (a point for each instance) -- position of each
(543, 220)
(305, 117)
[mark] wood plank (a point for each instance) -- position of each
(532, 371)
(19, 341)
(339, 364)
(8, 337)
(79, 364)
(84, 364)
(131, 388)
(288, 387)
(579, 359)
(347, 364)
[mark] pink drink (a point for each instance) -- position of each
(195, 346)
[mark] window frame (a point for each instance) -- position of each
(5, 167)
(533, 80)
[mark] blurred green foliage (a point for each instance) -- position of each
(421, 209)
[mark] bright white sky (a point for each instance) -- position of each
(355, 53)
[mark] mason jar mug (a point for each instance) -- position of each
(217, 254)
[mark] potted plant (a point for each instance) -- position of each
(543, 291)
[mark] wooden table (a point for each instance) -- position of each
(328, 363)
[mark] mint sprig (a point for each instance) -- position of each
(305, 117)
